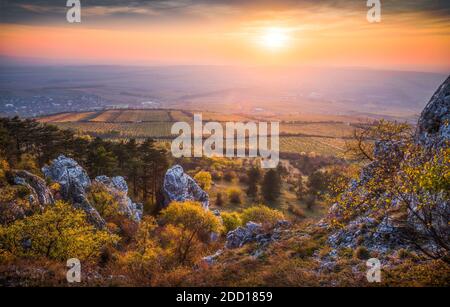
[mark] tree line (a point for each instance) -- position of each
(142, 164)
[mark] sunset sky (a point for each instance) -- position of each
(413, 35)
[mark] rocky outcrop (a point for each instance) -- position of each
(244, 234)
(75, 184)
(254, 232)
(433, 128)
(40, 194)
(72, 177)
(118, 188)
(378, 236)
(179, 186)
(432, 132)
(74, 181)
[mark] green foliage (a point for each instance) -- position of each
(231, 220)
(60, 232)
(261, 214)
(271, 185)
(254, 176)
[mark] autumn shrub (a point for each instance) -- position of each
(204, 180)
(14, 203)
(234, 195)
(103, 202)
(229, 176)
(219, 200)
(188, 227)
(60, 232)
(231, 220)
(261, 214)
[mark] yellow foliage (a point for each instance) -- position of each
(231, 220)
(204, 180)
(261, 214)
(60, 232)
(234, 195)
(103, 201)
(188, 226)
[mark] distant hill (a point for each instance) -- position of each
(39, 90)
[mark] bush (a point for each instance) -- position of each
(188, 225)
(234, 195)
(103, 201)
(60, 232)
(204, 180)
(362, 253)
(219, 200)
(231, 220)
(261, 214)
(229, 176)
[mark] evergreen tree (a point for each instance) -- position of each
(254, 176)
(271, 186)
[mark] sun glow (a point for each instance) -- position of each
(275, 38)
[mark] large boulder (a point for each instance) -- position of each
(74, 182)
(118, 188)
(433, 127)
(72, 177)
(179, 186)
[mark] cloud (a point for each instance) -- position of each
(44, 11)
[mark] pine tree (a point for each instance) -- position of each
(271, 186)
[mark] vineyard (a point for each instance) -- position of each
(298, 135)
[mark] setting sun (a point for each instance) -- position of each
(275, 38)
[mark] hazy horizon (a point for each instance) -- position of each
(412, 36)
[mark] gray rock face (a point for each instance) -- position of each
(377, 236)
(118, 188)
(178, 186)
(433, 131)
(433, 128)
(40, 193)
(74, 181)
(71, 176)
(244, 234)
(253, 232)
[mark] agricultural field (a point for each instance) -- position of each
(123, 130)
(316, 136)
(312, 145)
(327, 129)
(67, 117)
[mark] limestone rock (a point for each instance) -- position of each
(71, 176)
(179, 186)
(40, 193)
(74, 182)
(433, 128)
(118, 188)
